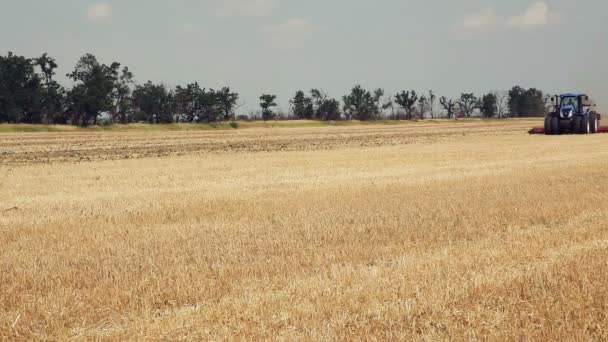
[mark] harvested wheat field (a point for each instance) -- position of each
(468, 230)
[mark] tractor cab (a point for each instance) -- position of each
(571, 104)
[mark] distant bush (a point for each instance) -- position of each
(105, 123)
(234, 125)
(243, 117)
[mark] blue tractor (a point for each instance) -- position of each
(573, 114)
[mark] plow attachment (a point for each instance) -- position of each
(540, 130)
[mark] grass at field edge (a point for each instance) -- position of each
(29, 128)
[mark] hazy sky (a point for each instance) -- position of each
(280, 46)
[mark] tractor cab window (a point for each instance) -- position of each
(570, 101)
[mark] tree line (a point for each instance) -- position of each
(29, 93)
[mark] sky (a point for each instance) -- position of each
(281, 46)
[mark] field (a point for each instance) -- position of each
(442, 230)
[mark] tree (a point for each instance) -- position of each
(122, 97)
(210, 109)
(535, 103)
(449, 105)
(390, 104)
(93, 92)
(376, 107)
(549, 104)
(52, 94)
(361, 104)
(267, 102)
(154, 102)
(407, 100)
(525, 103)
(424, 106)
(20, 90)
(431, 99)
(302, 106)
(317, 99)
(181, 101)
(227, 101)
(329, 109)
(468, 103)
(502, 98)
(489, 105)
(189, 102)
(516, 100)
(316, 106)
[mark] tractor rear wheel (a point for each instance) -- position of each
(593, 123)
(555, 129)
(585, 125)
(577, 127)
(548, 129)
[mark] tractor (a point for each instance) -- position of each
(573, 114)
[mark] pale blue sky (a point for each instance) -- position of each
(280, 46)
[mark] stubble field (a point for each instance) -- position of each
(469, 230)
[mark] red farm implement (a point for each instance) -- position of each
(540, 130)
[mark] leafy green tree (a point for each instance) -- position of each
(154, 102)
(94, 88)
(524, 103)
(52, 94)
(181, 103)
(534, 103)
(267, 102)
(194, 103)
(302, 106)
(189, 101)
(20, 90)
(329, 109)
(407, 100)
(316, 106)
(122, 97)
(467, 104)
(431, 100)
(489, 105)
(318, 98)
(210, 109)
(389, 103)
(423, 106)
(227, 101)
(448, 105)
(379, 105)
(74, 98)
(361, 104)
(517, 101)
